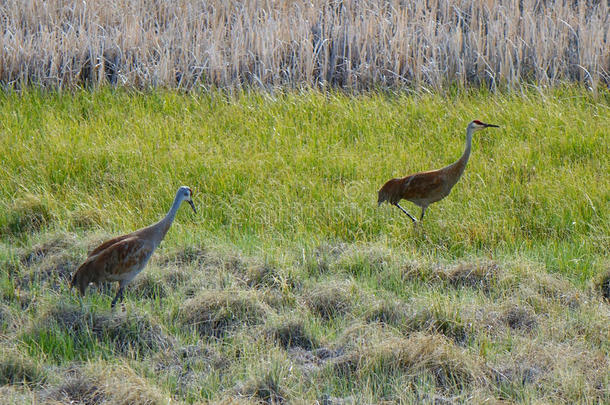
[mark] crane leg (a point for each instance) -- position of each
(403, 210)
(119, 295)
(423, 211)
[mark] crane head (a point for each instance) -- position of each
(187, 195)
(477, 125)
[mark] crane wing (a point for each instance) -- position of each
(422, 185)
(119, 260)
(108, 243)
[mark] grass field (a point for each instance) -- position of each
(290, 283)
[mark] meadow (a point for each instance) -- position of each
(290, 284)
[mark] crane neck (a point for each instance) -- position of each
(468, 148)
(461, 162)
(167, 221)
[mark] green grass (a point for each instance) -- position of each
(290, 282)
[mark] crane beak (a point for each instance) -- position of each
(192, 206)
(491, 126)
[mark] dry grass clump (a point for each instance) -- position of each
(515, 374)
(602, 285)
(520, 318)
(134, 333)
(213, 313)
(7, 319)
(262, 275)
(389, 311)
(51, 245)
(187, 364)
(332, 298)
(356, 260)
(554, 372)
(420, 353)
(106, 384)
(126, 333)
(323, 256)
(228, 266)
(227, 262)
(360, 260)
(184, 256)
(291, 333)
(27, 214)
(152, 285)
(265, 275)
(483, 275)
(265, 388)
(53, 272)
(5, 316)
(77, 388)
(544, 291)
(16, 395)
(558, 289)
(590, 323)
(23, 298)
(579, 376)
(474, 275)
(436, 320)
(16, 369)
(187, 358)
(47, 264)
(311, 361)
(420, 317)
(203, 268)
(254, 272)
(161, 280)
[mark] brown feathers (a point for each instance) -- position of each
(122, 258)
(425, 188)
(414, 187)
(119, 259)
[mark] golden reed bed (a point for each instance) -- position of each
(352, 44)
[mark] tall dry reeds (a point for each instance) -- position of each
(351, 43)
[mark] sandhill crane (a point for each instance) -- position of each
(425, 188)
(122, 258)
